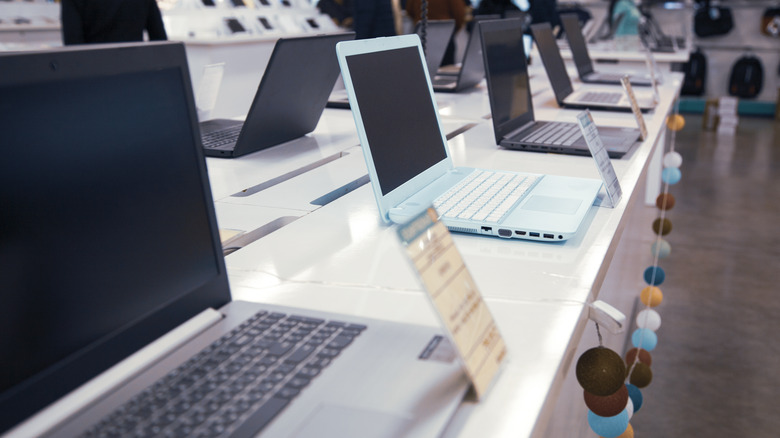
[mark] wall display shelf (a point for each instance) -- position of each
(241, 35)
(214, 21)
(24, 24)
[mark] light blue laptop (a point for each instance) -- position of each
(410, 167)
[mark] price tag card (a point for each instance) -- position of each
(640, 119)
(599, 152)
(208, 90)
(455, 297)
(654, 79)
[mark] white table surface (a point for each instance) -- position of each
(341, 258)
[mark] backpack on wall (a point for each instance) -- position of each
(712, 20)
(747, 77)
(695, 71)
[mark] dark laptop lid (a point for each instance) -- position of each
(437, 37)
(507, 75)
(109, 237)
(552, 60)
(577, 45)
(473, 68)
(293, 92)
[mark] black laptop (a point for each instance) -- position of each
(579, 51)
(511, 101)
(437, 37)
(565, 94)
(469, 73)
(117, 317)
(289, 101)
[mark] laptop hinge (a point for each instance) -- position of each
(90, 392)
(513, 133)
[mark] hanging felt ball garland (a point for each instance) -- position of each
(611, 384)
(648, 321)
(602, 373)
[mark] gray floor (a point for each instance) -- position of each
(717, 365)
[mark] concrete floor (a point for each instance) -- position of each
(717, 365)
(716, 369)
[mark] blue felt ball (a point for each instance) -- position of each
(635, 395)
(654, 275)
(608, 427)
(645, 339)
(671, 175)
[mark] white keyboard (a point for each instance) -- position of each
(484, 195)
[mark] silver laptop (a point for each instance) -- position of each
(562, 87)
(409, 164)
(579, 51)
(117, 316)
(289, 101)
(512, 107)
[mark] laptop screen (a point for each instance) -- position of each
(107, 240)
(552, 60)
(579, 49)
(507, 75)
(437, 37)
(392, 91)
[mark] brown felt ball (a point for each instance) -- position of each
(662, 227)
(644, 357)
(665, 201)
(641, 376)
(607, 406)
(600, 371)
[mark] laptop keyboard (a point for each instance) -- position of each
(238, 384)
(554, 133)
(598, 97)
(610, 76)
(215, 139)
(484, 196)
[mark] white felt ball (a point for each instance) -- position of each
(648, 319)
(672, 159)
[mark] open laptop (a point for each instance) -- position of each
(561, 83)
(579, 51)
(289, 101)
(117, 317)
(469, 73)
(410, 167)
(511, 102)
(437, 37)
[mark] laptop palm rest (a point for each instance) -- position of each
(550, 204)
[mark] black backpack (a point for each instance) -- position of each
(695, 71)
(712, 20)
(747, 77)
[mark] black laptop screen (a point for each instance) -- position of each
(579, 49)
(552, 60)
(398, 114)
(105, 223)
(507, 75)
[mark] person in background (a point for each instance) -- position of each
(110, 21)
(373, 18)
(629, 23)
(495, 7)
(340, 11)
(441, 10)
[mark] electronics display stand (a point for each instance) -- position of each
(209, 20)
(241, 35)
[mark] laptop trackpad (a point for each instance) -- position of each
(346, 422)
(551, 204)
